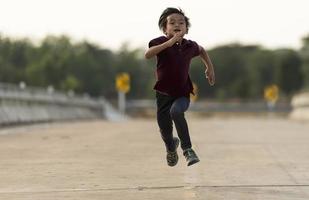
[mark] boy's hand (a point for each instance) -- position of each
(176, 38)
(210, 75)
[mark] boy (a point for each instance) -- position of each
(173, 86)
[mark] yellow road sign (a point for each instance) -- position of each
(123, 82)
(271, 93)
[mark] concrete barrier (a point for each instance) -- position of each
(300, 104)
(31, 105)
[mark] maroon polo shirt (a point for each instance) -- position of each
(173, 65)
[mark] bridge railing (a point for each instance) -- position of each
(300, 103)
(21, 104)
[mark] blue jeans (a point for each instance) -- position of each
(169, 110)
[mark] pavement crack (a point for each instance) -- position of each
(142, 188)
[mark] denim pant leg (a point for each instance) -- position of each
(178, 108)
(164, 120)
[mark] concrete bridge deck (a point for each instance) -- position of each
(263, 158)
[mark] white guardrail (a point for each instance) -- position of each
(300, 104)
(21, 104)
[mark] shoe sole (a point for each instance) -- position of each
(193, 162)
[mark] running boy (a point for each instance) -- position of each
(173, 86)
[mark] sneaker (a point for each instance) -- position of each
(172, 156)
(191, 157)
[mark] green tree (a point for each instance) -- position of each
(231, 70)
(288, 72)
(261, 71)
(15, 55)
(70, 83)
(94, 68)
(52, 60)
(132, 62)
(304, 52)
(242, 71)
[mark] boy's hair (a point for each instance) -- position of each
(167, 12)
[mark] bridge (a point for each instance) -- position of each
(23, 105)
(242, 157)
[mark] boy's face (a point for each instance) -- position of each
(175, 23)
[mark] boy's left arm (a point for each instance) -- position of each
(209, 71)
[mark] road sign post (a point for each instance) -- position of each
(123, 87)
(271, 95)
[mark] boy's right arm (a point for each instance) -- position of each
(154, 50)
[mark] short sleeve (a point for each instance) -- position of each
(152, 43)
(157, 41)
(196, 49)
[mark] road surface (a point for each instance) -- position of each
(242, 158)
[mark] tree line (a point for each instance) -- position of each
(242, 71)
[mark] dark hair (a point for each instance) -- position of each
(167, 12)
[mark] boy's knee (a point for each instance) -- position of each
(176, 113)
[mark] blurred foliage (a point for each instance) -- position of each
(288, 73)
(242, 71)
(304, 53)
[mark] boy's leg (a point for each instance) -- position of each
(164, 120)
(191, 156)
(177, 110)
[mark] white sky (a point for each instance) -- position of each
(270, 23)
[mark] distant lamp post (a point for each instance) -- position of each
(123, 87)
(50, 89)
(22, 85)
